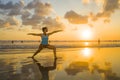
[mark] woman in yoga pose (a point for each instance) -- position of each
(44, 42)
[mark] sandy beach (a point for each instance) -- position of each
(71, 64)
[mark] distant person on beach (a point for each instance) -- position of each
(44, 43)
(98, 41)
(12, 42)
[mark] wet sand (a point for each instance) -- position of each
(71, 64)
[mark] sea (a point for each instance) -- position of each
(76, 60)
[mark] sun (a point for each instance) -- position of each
(86, 34)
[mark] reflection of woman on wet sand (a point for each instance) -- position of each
(44, 44)
(45, 70)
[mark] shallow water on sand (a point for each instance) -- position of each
(71, 64)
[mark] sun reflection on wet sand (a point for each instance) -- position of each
(87, 52)
(71, 64)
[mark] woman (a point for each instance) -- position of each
(44, 43)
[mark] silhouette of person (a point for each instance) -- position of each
(21, 41)
(44, 43)
(99, 41)
(45, 70)
(12, 42)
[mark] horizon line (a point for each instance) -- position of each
(98, 40)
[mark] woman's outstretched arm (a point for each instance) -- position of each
(34, 34)
(54, 32)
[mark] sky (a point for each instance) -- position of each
(79, 19)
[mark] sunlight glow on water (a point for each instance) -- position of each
(86, 43)
(87, 52)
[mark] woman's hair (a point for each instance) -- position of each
(44, 28)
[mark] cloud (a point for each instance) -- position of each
(41, 16)
(2, 23)
(25, 14)
(75, 18)
(17, 9)
(12, 9)
(9, 21)
(12, 20)
(38, 22)
(29, 19)
(40, 9)
(35, 14)
(9, 11)
(109, 8)
(111, 5)
(33, 21)
(6, 6)
(53, 23)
